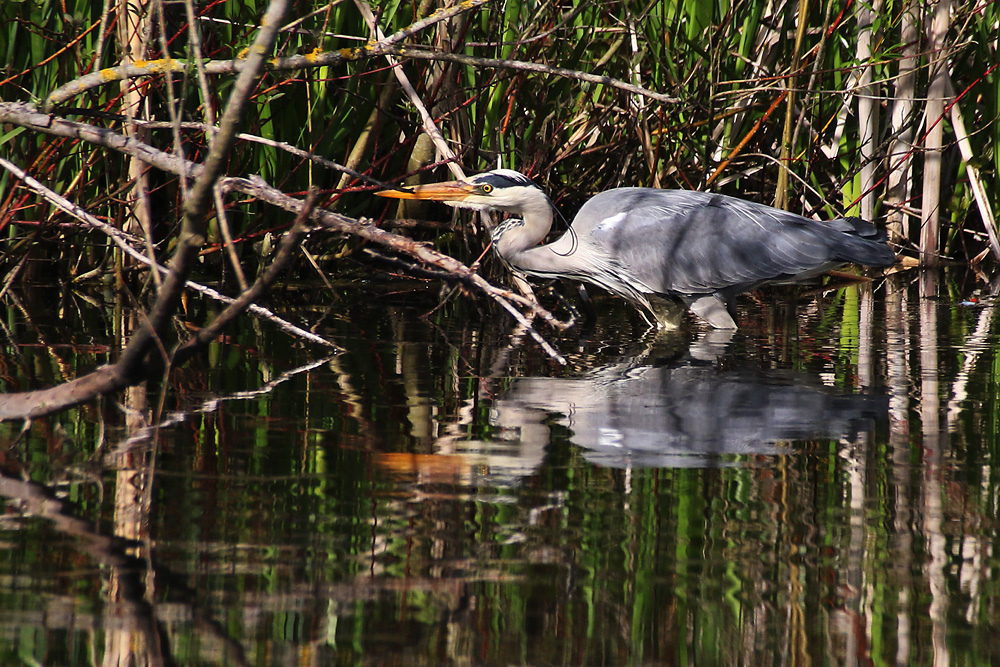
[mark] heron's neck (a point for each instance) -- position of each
(536, 213)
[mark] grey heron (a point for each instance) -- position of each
(657, 247)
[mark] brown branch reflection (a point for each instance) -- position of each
(130, 617)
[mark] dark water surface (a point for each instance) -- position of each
(818, 488)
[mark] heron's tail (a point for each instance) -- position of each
(861, 242)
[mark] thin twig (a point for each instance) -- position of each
(316, 267)
(227, 239)
(23, 114)
(317, 58)
(286, 249)
(121, 239)
(194, 44)
(430, 128)
(520, 65)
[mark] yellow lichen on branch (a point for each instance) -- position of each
(315, 58)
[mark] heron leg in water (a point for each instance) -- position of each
(669, 313)
(586, 305)
(713, 309)
(589, 315)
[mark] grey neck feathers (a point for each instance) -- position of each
(514, 237)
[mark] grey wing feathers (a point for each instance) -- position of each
(862, 242)
(688, 243)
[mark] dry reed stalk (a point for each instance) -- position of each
(867, 95)
(934, 141)
(899, 157)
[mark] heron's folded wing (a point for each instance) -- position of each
(688, 243)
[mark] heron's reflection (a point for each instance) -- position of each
(681, 413)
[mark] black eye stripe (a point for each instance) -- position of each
(502, 180)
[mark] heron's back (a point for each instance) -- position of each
(688, 243)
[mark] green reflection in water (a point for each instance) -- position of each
(401, 503)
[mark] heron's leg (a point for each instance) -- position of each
(668, 311)
(713, 309)
(590, 315)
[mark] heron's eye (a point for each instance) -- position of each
(486, 188)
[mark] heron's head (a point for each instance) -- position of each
(500, 189)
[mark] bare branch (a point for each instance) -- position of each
(286, 249)
(411, 93)
(384, 47)
(317, 58)
(123, 240)
(23, 114)
(131, 366)
(462, 59)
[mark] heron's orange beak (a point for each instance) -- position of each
(449, 191)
